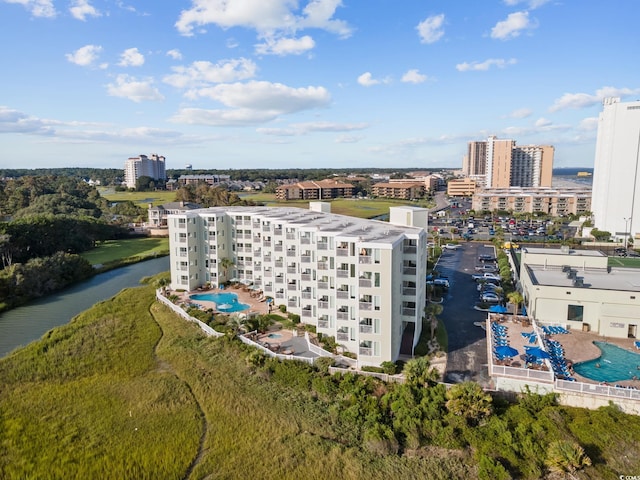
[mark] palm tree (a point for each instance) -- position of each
(469, 400)
(225, 264)
(418, 372)
(516, 299)
(566, 456)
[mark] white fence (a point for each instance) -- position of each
(523, 373)
(381, 376)
(603, 390)
(266, 351)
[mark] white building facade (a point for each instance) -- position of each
(616, 175)
(143, 166)
(361, 281)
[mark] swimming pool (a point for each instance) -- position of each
(613, 365)
(225, 302)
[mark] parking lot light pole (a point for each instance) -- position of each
(626, 231)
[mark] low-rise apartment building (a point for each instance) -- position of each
(461, 187)
(407, 190)
(551, 201)
(577, 289)
(158, 214)
(315, 190)
(360, 281)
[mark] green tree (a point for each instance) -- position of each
(470, 401)
(418, 372)
(515, 298)
(226, 263)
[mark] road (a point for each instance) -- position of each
(467, 352)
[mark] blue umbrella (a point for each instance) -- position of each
(506, 351)
(498, 309)
(538, 353)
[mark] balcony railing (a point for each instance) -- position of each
(267, 258)
(367, 351)
(366, 329)
(342, 294)
(292, 286)
(268, 288)
(342, 273)
(291, 253)
(342, 252)
(365, 259)
(323, 323)
(279, 263)
(266, 228)
(305, 240)
(292, 303)
(365, 305)
(306, 277)
(268, 273)
(410, 249)
(323, 266)
(266, 243)
(278, 248)
(409, 270)
(306, 312)
(292, 269)
(342, 337)
(365, 282)
(409, 311)
(323, 285)
(323, 304)
(279, 295)
(342, 315)
(408, 291)
(277, 231)
(279, 279)
(306, 295)
(322, 246)
(305, 258)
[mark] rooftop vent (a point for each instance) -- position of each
(578, 282)
(566, 268)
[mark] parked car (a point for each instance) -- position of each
(620, 251)
(452, 246)
(489, 287)
(486, 276)
(486, 268)
(490, 297)
(443, 282)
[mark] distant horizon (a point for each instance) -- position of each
(297, 84)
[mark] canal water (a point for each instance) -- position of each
(25, 324)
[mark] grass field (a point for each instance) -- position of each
(139, 198)
(624, 262)
(115, 250)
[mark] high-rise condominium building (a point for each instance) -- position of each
(616, 173)
(143, 166)
(360, 281)
(507, 165)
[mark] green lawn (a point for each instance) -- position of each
(139, 198)
(624, 262)
(113, 250)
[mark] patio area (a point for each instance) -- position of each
(577, 346)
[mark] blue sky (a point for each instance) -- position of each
(307, 83)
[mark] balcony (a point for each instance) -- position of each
(365, 282)
(342, 294)
(256, 225)
(411, 312)
(306, 295)
(342, 252)
(305, 240)
(292, 269)
(279, 263)
(365, 305)
(279, 279)
(266, 228)
(266, 243)
(410, 249)
(306, 277)
(366, 351)
(268, 288)
(290, 236)
(292, 303)
(323, 266)
(268, 273)
(409, 270)
(291, 253)
(323, 304)
(408, 291)
(342, 336)
(323, 323)
(342, 273)
(305, 258)
(267, 258)
(342, 315)
(257, 252)
(292, 286)
(322, 246)
(365, 259)
(366, 328)
(280, 295)
(306, 312)
(323, 285)
(277, 231)
(278, 248)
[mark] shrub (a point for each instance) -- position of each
(380, 440)
(282, 308)
(294, 317)
(323, 364)
(389, 368)
(490, 469)
(371, 368)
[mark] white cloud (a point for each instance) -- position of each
(588, 124)
(543, 122)
(367, 80)
(430, 29)
(175, 54)
(520, 113)
(483, 66)
(584, 100)
(204, 73)
(252, 103)
(38, 8)
(131, 57)
(512, 26)
(413, 76)
(262, 16)
(85, 56)
(135, 90)
(533, 4)
(348, 138)
(81, 9)
(285, 46)
(13, 121)
(310, 127)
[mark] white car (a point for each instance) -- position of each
(490, 297)
(452, 246)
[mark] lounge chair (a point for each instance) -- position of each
(637, 344)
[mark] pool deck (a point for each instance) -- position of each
(256, 306)
(578, 347)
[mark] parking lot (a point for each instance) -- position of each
(467, 355)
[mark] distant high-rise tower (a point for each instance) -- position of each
(503, 164)
(143, 166)
(616, 175)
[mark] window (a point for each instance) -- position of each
(575, 313)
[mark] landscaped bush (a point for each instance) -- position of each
(282, 308)
(294, 317)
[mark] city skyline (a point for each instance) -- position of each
(312, 83)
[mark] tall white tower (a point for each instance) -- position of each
(616, 175)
